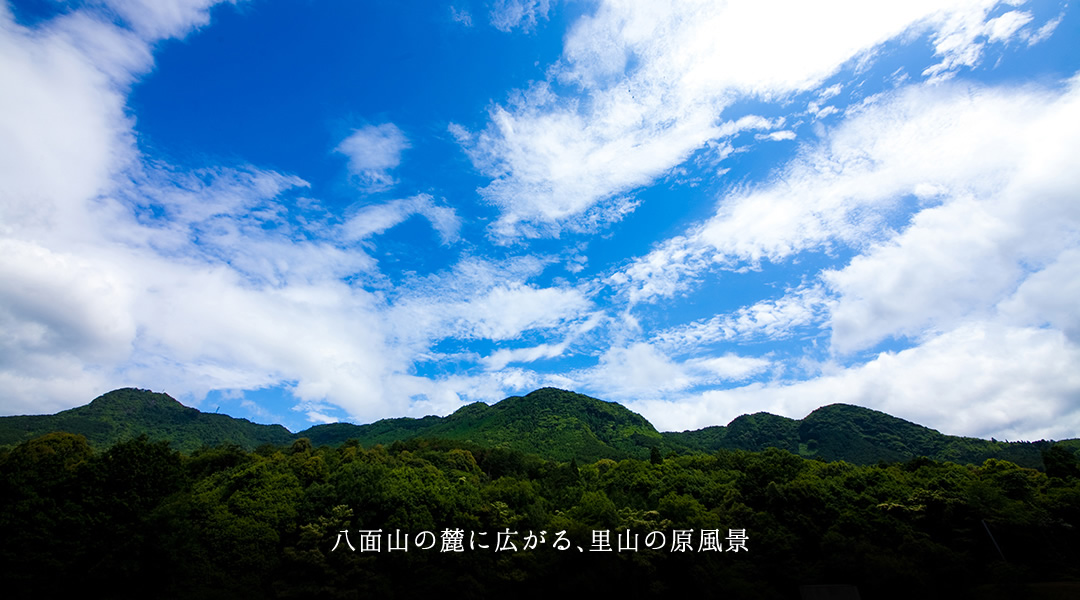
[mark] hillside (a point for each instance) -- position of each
(857, 435)
(126, 413)
(552, 423)
(555, 424)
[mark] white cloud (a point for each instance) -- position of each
(461, 16)
(504, 356)
(443, 395)
(1004, 27)
(1048, 297)
(56, 303)
(641, 370)
(507, 15)
(767, 319)
(44, 383)
(75, 266)
(1010, 204)
(114, 314)
(375, 219)
(1043, 33)
(729, 367)
(959, 37)
(483, 300)
(508, 310)
(952, 262)
(319, 418)
(374, 151)
(971, 157)
(65, 131)
(634, 370)
(981, 279)
(160, 19)
(496, 311)
(641, 86)
(122, 271)
(777, 136)
(203, 328)
(978, 380)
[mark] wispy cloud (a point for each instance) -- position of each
(961, 37)
(641, 86)
(480, 299)
(160, 19)
(504, 356)
(462, 16)
(962, 154)
(939, 214)
(375, 219)
(507, 15)
(765, 320)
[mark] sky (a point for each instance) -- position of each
(307, 211)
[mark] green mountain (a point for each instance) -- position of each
(857, 435)
(126, 413)
(552, 423)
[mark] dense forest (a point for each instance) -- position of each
(425, 516)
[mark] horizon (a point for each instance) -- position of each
(303, 214)
(358, 424)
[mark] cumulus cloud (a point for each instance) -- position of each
(121, 270)
(64, 124)
(957, 201)
(1003, 209)
(67, 137)
(374, 151)
(978, 380)
(1048, 297)
(641, 370)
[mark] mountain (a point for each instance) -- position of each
(552, 423)
(126, 413)
(857, 435)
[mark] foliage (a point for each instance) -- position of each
(140, 518)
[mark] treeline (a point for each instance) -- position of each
(141, 519)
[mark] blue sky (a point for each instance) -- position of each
(304, 212)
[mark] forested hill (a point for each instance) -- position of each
(860, 436)
(555, 424)
(127, 413)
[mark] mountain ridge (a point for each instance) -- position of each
(550, 422)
